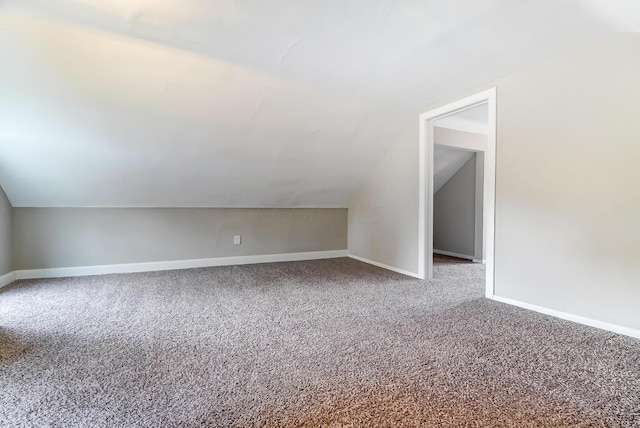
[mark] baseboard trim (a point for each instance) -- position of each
(383, 266)
(7, 279)
(175, 264)
(614, 328)
(457, 255)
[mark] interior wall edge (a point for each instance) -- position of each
(7, 256)
(7, 278)
(385, 266)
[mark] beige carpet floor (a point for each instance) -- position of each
(333, 343)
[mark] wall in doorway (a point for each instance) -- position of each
(454, 212)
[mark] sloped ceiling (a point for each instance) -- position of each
(446, 162)
(246, 103)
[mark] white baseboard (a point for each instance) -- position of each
(383, 266)
(7, 279)
(10, 277)
(570, 317)
(172, 265)
(457, 255)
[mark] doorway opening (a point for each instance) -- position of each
(457, 197)
(457, 158)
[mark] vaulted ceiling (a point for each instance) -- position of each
(247, 103)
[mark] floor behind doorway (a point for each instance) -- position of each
(439, 259)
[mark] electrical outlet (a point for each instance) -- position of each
(237, 240)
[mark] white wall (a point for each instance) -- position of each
(381, 215)
(567, 192)
(6, 247)
(454, 212)
(568, 184)
(71, 237)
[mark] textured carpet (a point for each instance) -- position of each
(332, 343)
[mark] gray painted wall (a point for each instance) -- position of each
(454, 212)
(69, 237)
(567, 192)
(6, 247)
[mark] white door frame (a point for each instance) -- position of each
(425, 199)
